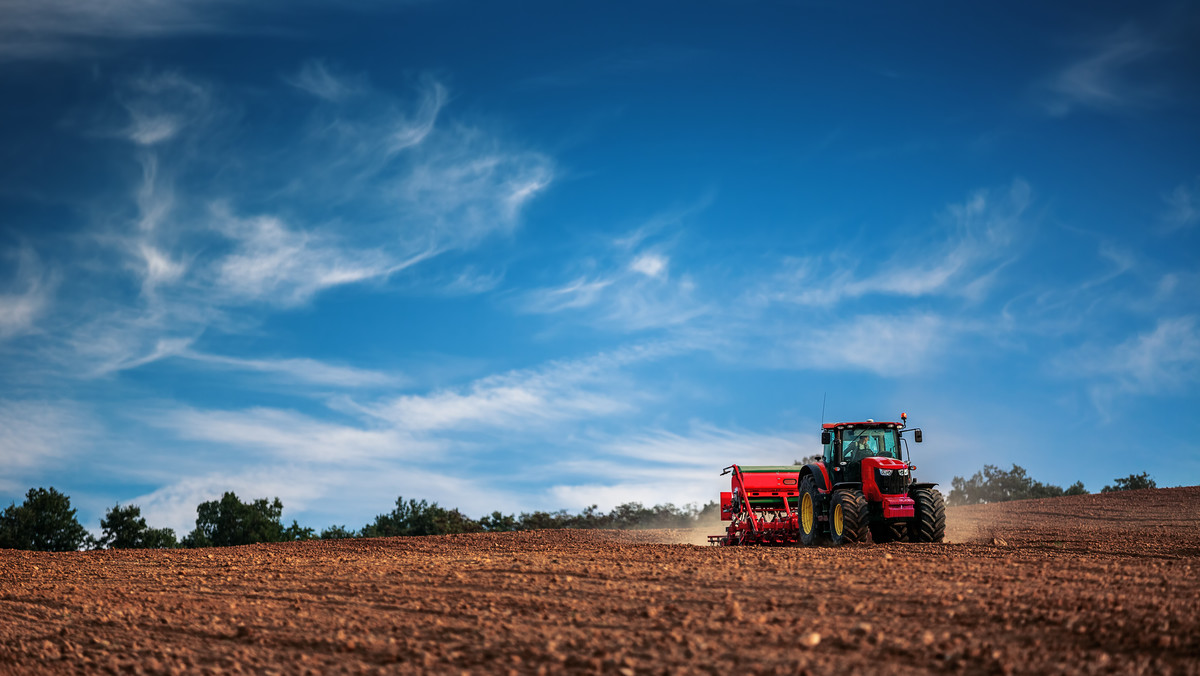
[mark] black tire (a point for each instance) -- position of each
(809, 493)
(929, 520)
(889, 531)
(848, 516)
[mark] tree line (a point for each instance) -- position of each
(45, 521)
(993, 484)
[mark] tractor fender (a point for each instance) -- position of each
(819, 475)
(921, 484)
(849, 484)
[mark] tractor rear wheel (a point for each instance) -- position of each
(929, 519)
(889, 531)
(810, 508)
(848, 516)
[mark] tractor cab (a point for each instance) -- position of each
(869, 453)
(847, 445)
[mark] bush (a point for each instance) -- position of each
(45, 522)
(124, 528)
(1133, 482)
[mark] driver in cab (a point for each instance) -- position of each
(859, 448)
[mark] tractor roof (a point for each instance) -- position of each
(865, 423)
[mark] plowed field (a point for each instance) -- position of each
(1104, 584)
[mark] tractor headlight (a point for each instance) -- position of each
(885, 472)
(904, 472)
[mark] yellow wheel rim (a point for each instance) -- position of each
(806, 513)
(837, 519)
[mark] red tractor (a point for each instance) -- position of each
(860, 486)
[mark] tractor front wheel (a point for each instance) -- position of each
(929, 519)
(848, 516)
(810, 507)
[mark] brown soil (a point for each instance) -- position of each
(1088, 584)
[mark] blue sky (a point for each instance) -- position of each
(545, 255)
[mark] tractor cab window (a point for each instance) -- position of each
(827, 449)
(864, 443)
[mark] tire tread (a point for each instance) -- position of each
(929, 522)
(855, 515)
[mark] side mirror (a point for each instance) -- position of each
(917, 436)
(824, 438)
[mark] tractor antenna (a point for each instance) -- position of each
(823, 407)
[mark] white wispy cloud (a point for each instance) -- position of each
(633, 465)
(407, 132)
(1164, 360)
(650, 264)
(161, 105)
(301, 370)
(888, 345)
(64, 29)
(464, 187)
(106, 336)
(28, 295)
(404, 188)
(625, 285)
(704, 447)
(975, 243)
(60, 28)
(399, 445)
(1182, 207)
(1104, 79)
(276, 263)
(626, 299)
(155, 199)
(578, 293)
(36, 436)
(317, 78)
(568, 390)
(471, 281)
(291, 436)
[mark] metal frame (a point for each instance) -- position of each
(761, 524)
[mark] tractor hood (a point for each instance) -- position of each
(884, 463)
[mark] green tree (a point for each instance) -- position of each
(996, 485)
(298, 532)
(1133, 482)
(45, 522)
(709, 512)
(338, 533)
(540, 520)
(497, 522)
(419, 517)
(124, 528)
(229, 521)
(1076, 489)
